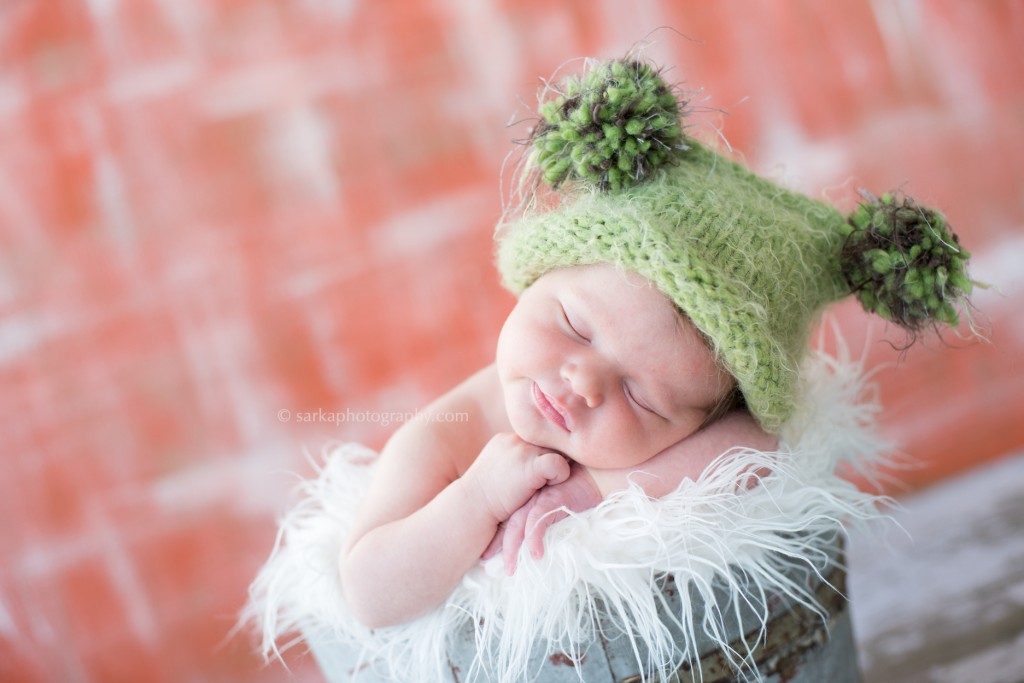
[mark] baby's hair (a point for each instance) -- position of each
(730, 401)
(733, 398)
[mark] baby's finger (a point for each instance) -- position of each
(515, 530)
(537, 524)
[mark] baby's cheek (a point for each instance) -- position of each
(624, 452)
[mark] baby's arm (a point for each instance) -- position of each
(688, 458)
(423, 525)
(658, 476)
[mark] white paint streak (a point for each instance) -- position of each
(218, 350)
(333, 360)
(109, 186)
(7, 627)
(338, 10)
(12, 97)
(999, 267)
(61, 661)
(428, 225)
(247, 90)
(124, 579)
(22, 333)
(188, 18)
(791, 158)
(895, 20)
(298, 152)
(151, 81)
(41, 634)
(999, 264)
(786, 154)
(112, 198)
(253, 484)
(44, 559)
(266, 86)
(480, 30)
(424, 227)
(104, 14)
(103, 10)
(18, 336)
(17, 210)
(910, 41)
(218, 340)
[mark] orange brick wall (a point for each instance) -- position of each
(218, 216)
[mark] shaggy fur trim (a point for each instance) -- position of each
(710, 534)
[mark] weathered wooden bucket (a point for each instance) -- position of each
(800, 645)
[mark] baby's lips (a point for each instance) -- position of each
(551, 409)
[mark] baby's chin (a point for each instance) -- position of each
(605, 460)
(599, 461)
(526, 428)
(538, 441)
(602, 460)
(529, 428)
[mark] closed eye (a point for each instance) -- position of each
(573, 328)
(637, 402)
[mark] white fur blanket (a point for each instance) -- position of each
(611, 555)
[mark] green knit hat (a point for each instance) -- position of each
(751, 263)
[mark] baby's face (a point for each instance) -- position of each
(597, 364)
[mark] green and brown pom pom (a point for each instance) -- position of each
(609, 128)
(904, 262)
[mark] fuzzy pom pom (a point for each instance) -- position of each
(609, 128)
(904, 262)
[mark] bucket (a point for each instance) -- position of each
(800, 644)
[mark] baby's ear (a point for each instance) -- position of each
(904, 262)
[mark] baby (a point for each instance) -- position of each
(665, 301)
(596, 375)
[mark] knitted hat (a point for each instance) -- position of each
(749, 262)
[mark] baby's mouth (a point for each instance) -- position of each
(549, 409)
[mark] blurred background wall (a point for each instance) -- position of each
(221, 221)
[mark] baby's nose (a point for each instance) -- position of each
(586, 381)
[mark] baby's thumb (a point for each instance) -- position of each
(553, 467)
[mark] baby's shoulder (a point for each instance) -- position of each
(474, 410)
(459, 423)
(477, 401)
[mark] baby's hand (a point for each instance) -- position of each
(547, 506)
(509, 470)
